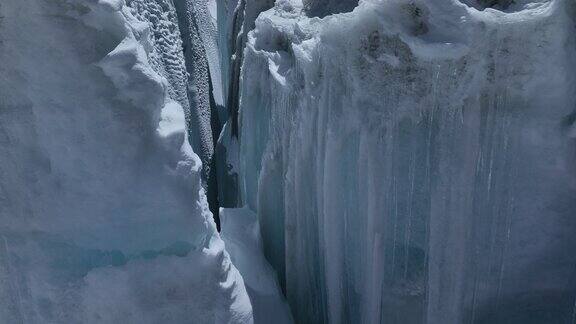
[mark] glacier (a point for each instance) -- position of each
(288, 161)
(413, 161)
(103, 216)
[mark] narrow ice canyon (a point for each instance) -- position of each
(288, 161)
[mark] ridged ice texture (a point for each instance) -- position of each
(414, 161)
(224, 20)
(166, 56)
(186, 59)
(205, 12)
(102, 215)
(198, 85)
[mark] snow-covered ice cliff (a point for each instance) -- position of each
(103, 218)
(413, 161)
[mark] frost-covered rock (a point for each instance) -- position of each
(102, 215)
(413, 161)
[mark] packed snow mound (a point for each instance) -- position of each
(241, 232)
(102, 215)
(413, 161)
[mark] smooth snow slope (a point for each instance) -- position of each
(102, 216)
(241, 232)
(413, 161)
(322, 8)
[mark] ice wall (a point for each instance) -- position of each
(234, 26)
(235, 18)
(204, 116)
(413, 161)
(102, 215)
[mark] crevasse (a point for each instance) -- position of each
(382, 161)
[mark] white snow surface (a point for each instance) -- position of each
(413, 161)
(102, 215)
(241, 233)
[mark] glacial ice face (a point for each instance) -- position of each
(413, 161)
(198, 36)
(197, 82)
(102, 215)
(185, 35)
(236, 31)
(235, 19)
